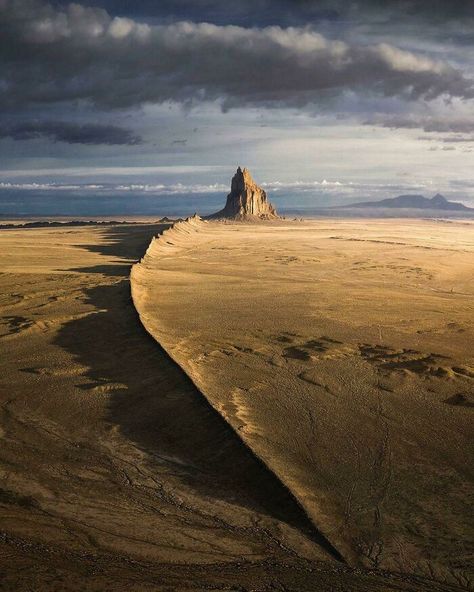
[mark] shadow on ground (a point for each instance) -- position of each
(156, 405)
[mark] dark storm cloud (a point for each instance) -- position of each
(423, 9)
(429, 123)
(458, 139)
(450, 139)
(222, 12)
(50, 55)
(289, 12)
(71, 133)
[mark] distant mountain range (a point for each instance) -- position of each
(438, 202)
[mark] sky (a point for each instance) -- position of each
(338, 99)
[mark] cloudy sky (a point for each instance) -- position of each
(171, 96)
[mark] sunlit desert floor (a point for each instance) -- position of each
(341, 352)
(342, 363)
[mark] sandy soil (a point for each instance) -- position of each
(115, 472)
(341, 353)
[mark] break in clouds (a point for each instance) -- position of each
(76, 53)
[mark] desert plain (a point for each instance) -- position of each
(282, 406)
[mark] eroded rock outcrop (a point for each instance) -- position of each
(246, 200)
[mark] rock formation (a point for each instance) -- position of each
(438, 202)
(246, 200)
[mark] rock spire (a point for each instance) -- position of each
(246, 200)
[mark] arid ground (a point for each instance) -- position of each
(317, 439)
(341, 352)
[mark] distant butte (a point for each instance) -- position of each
(438, 202)
(246, 200)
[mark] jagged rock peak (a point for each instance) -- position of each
(241, 180)
(246, 199)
